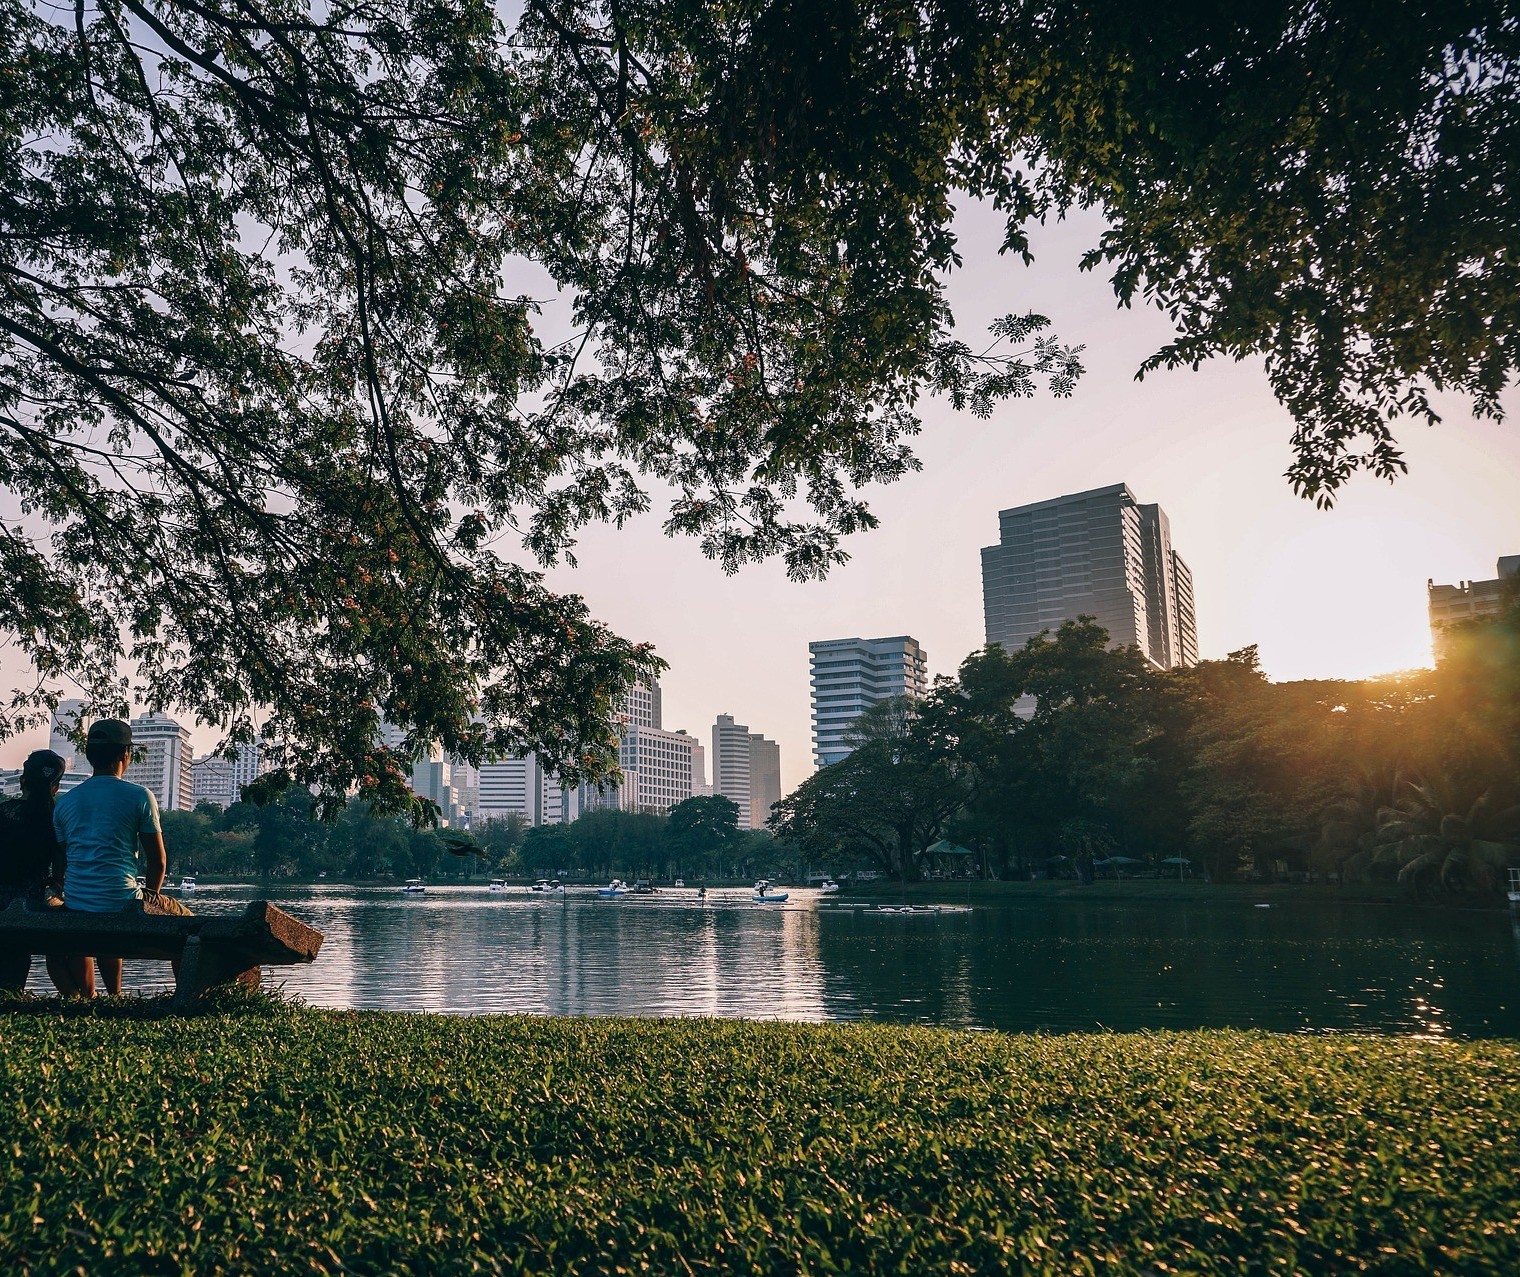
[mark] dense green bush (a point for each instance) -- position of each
(295, 1141)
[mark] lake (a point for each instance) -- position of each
(1030, 964)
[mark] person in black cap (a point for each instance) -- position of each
(100, 825)
(30, 864)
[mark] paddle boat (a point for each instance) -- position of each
(614, 889)
(414, 887)
(186, 883)
(680, 882)
(828, 887)
(497, 884)
(765, 896)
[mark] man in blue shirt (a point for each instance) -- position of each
(100, 825)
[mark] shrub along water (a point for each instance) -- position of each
(293, 1141)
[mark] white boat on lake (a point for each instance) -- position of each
(497, 884)
(186, 883)
(614, 889)
(765, 896)
(414, 887)
(828, 887)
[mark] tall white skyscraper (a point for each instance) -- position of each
(166, 763)
(660, 769)
(657, 766)
(850, 675)
(642, 707)
(1098, 553)
(521, 786)
(746, 769)
(730, 764)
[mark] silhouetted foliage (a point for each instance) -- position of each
(282, 423)
(1065, 752)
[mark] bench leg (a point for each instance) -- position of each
(201, 968)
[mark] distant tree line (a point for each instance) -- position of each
(1064, 753)
(699, 839)
(283, 838)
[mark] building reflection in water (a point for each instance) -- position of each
(460, 951)
(1034, 965)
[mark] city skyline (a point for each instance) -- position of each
(1209, 446)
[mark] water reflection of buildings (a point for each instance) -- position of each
(1059, 967)
(460, 952)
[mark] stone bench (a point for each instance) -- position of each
(212, 949)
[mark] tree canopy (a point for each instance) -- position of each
(1050, 757)
(280, 416)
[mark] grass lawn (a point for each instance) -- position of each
(277, 1140)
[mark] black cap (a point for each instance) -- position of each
(42, 765)
(109, 731)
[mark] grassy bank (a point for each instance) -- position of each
(289, 1141)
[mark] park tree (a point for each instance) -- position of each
(292, 426)
(191, 836)
(500, 838)
(702, 830)
(1063, 740)
(887, 801)
(549, 850)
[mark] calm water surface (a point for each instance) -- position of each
(1030, 964)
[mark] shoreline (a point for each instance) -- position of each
(1191, 891)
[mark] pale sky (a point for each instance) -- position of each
(1337, 593)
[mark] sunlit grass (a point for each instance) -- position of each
(269, 1139)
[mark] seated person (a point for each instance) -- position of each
(100, 824)
(30, 866)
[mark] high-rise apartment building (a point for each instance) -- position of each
(251, 763)
(730, 764)
(165, 762)
(1100, 554)
(642, 707)
(1466, 600)
(764, 779)
(521, 786)
(746, 769)
(658, 768)
(849, 676)
(212, 781)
